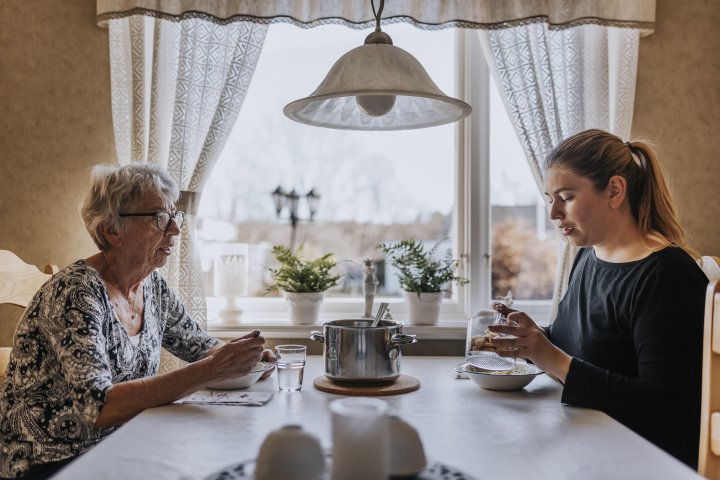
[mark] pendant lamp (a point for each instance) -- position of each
(377, 86)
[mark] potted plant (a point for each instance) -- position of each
(303, 282)
(423, 277)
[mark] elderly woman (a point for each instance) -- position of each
(87, 349)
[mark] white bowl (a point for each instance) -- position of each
(244, 381)
(515, 379)
(407, 455)
(290, 453)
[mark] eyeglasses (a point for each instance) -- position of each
(162, 217)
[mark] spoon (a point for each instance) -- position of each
(381, 311)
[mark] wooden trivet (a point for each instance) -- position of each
(403, 384)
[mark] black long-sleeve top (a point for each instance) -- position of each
(635, 332)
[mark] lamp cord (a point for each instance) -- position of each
(377, 13)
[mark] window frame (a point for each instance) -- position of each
(472, 238)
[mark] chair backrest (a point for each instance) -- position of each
(18, 284)
(18, 280)
(711, 266)
(709, 457)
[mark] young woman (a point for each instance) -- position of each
(627, 339)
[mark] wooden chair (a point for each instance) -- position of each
(18, 283)
(711, 266)
(709, 457)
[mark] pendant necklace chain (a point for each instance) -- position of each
(131, 304)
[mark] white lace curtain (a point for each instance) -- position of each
(555, 83)
(177, 89)
(426, 14)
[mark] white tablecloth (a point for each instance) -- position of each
(526, 434)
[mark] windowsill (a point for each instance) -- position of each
(447, 330)
(273, 321)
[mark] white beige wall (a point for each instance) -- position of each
(677, 104)
(55, 121)
(54, 124)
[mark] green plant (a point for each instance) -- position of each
(419, 270)
(298, 275)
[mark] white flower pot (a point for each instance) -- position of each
(304, 307)
(423, 309)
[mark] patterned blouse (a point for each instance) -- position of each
(69, 348)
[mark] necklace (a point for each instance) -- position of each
(132, 304)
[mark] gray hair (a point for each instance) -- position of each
(116, 188)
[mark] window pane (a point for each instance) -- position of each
(524, 242)
(374, 186)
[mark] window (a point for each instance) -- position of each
(524, 241)
(374, 187)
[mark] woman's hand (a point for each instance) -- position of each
(268, 356)
(237, 357)
(530, 342)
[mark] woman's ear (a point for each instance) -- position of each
(112, 236)
(617, 189)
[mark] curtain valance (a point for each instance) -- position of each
(425, 14)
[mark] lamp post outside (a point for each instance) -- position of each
(290, 201)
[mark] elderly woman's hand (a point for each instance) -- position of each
(268, 356)
(237, 357)
(530, 342)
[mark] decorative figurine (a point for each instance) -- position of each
(369, 286)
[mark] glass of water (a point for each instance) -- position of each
(290, 366)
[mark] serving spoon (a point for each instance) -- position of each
(381, 311)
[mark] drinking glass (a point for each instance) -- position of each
(290, 366)
(501, 319)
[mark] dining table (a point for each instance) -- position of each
(485, 434)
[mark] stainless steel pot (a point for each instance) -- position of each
(355, 353)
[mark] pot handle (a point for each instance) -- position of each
(402, 339)
(317, 336)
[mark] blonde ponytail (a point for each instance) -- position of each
(655, 212)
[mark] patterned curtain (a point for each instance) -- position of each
(177, 89)
(557, 82)
(425, 14)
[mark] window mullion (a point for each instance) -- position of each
(474, 168)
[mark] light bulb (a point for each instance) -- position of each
(375, 105)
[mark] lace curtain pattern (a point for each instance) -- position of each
(555, 83)
(177, 89)
(425, 14)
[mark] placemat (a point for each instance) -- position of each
(403, 384)
(227, 397)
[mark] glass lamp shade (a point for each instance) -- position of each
(377, 86)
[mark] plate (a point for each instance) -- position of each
(244, 381)
(434, 471)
